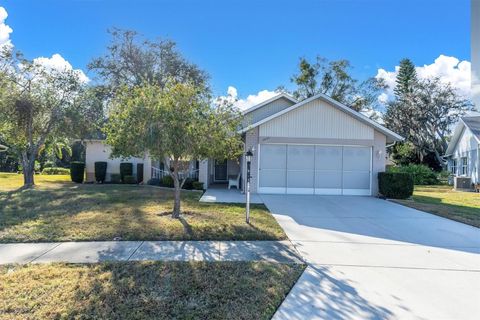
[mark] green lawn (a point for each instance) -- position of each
(445, 202)
(145, 290)
(59, 210)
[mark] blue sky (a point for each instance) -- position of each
(251, 45)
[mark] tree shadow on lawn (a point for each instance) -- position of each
(184, 290)
(99, 212)
(44, 212)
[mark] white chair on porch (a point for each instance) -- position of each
(234, 182)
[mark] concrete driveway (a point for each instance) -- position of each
(373, 259)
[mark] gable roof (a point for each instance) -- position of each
(471, 123)
(357, 115)
(278, 96)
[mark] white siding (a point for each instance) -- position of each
(467, 146)
(317, 119)
(99, 151)
(266, 111)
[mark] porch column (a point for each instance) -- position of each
(203, 173)
(147, 168)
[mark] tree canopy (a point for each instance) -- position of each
(334, 79)
(132, 60)
(35, 101)
(175, 123)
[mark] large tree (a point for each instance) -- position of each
(176, 123)
(406, 80)
(426, 115)
(34, 102)
(334, 79)
(132, 60)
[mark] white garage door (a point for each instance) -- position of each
(315, 169)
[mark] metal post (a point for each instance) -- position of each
(248, 192)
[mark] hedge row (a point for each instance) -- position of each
(395, 185)
(55, 170)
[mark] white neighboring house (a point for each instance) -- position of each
(463, 152)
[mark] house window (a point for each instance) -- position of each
(453, 167)
(464, 168)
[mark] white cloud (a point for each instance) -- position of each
(57, 62)
(251, 100)
(5, 30)
(448, 69)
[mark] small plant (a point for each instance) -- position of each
(188, 184)
(126, 169)
(55, 170)
(129, 179)
(395, 185)
(154, 182)
(197, 185)
(115, 178)
(167, 181)
(77, 171)
(100, 171)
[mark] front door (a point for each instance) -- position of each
(220, 170)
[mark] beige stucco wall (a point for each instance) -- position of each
(317, 119)
(379, 159)
(99, 151)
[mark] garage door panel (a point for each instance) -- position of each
(356, 159)
(273, 178)
(273, 156)
(356, 180)
(328, 158)
(300, 179)
(300, 157)
(328, 179)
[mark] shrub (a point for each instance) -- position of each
(77, 171)
(126, 169)
(167, 181)
(154, 182)
(100, 171)
(395, 185)
(188, 184)
(55, 170)
(422, 175)
(197, 185)
(115, 178)
(129, 179)
(49, 164)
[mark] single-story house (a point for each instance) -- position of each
(316, 146)
(463, 152)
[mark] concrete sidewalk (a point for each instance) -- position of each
(91, 252)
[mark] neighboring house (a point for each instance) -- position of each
(463, 152)
(316, 146)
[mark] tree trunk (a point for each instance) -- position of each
(28, 172)
(176, 203)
